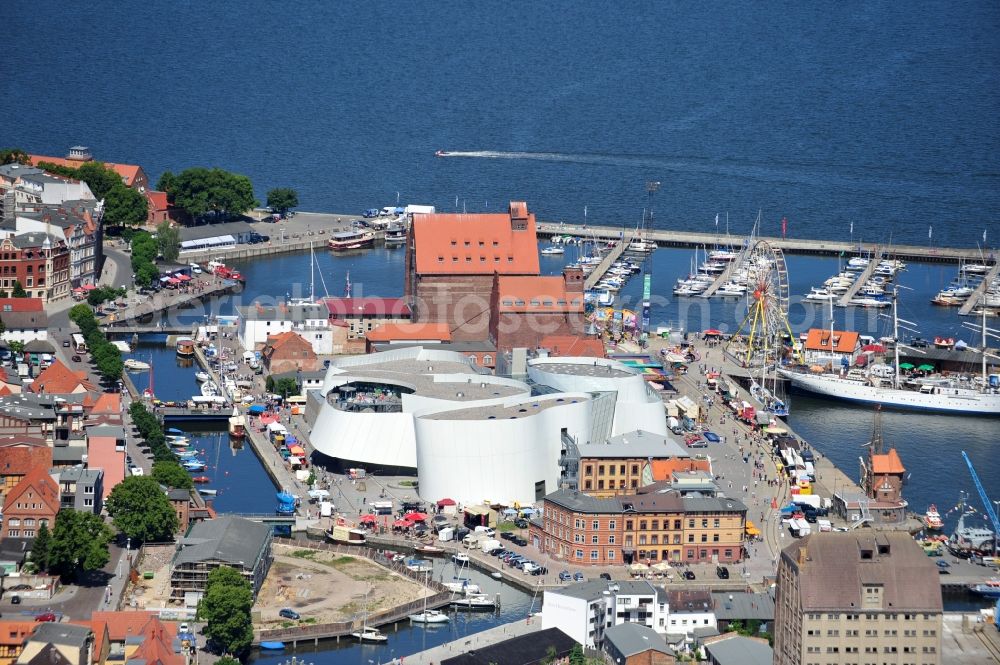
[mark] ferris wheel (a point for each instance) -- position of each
(759, 341)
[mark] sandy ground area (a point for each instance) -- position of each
(325, 587)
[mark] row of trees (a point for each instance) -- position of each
(145, 249)
(151, 432)
(105, 355)
(102, 294)
(284, 386)
(123, 206)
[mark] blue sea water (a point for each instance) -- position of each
(884, 114)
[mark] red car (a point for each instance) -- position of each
(47, 616)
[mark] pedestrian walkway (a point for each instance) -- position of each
(472, 642)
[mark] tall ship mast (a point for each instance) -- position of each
(980, 395)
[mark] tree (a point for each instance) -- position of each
(80, 312)
(283, 386)
(18, 291)
(125, 207)
(40, 548)
(79, 543)
(576, 655)
(12, 155)
(200, 191)
(171, 474)
(16, 346)
(227, 660)
(168, 240)
(225, 608)
(166, 183)
(98, 177)
(141, 510)
(282, 199)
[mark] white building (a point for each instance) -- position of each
(256, 323)
(585, 610)
(472, 436)
(689, 615)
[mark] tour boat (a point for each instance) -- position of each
(429, 550)
(395, 235)
(932, 518)
(185, 347)
(134, 365)
(346, 240)
(989, 588)
(430, 616)
(345, 535)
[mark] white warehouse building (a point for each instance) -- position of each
(471, 436)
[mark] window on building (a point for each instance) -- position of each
(595, 525)
(612, 524)
(579, 554)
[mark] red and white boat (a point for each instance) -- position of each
(944, 342)
(932, 518)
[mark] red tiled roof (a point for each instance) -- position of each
(887, 463)
(13, 633)
(128, 172)
(410, 332)
(478, 244)
(375, 307)
(57, 379)
(44, 487)
(20, 305)
(157, 200)
(20, 454)
(276, 342)
(571, 345)
(107, 403)
(843, 341)
(157, 635)
(537, 294)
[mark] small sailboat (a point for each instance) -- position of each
(133, 365)
(429, 616)
(553, 250)
(202, 377)
(369, 635)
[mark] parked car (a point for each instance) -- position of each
(564, 576)
(76, 359)
(65, 343)
(521, 523)
(722, 572)
(507, 535)
(45, 616)
(606, 576)
(941, 563)
(540, 570)
(289, 613)
(184, 628)
(688, 574)
(520, 541)
(578, 577)
(15, 600)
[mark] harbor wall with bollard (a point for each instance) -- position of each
(335, 630)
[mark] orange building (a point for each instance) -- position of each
(19, 454)
(12, 637)
(106, 451)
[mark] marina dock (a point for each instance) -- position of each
(163, 302)
(693, 239)
(977, 294)
(602, 268)
(860, 281)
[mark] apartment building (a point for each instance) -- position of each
(585, 610)
(656, 526)
(624, 463)
(854, 598)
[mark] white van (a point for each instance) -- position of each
(485, 531)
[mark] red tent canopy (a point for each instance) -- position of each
(415, 516)
(712, 332)
(402, 523)
(368, 519)
(89, 287)
(875, 348)
(446, 502)
(184, 278)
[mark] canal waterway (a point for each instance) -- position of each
(234, 468)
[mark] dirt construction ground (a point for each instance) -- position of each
(326, 586)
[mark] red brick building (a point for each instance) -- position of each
(452, 260)
(586, 530)
(479, 275)
(288, 352)
(32, 502)
(39, 262)
(132, 175)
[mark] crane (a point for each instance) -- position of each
(982, 494)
